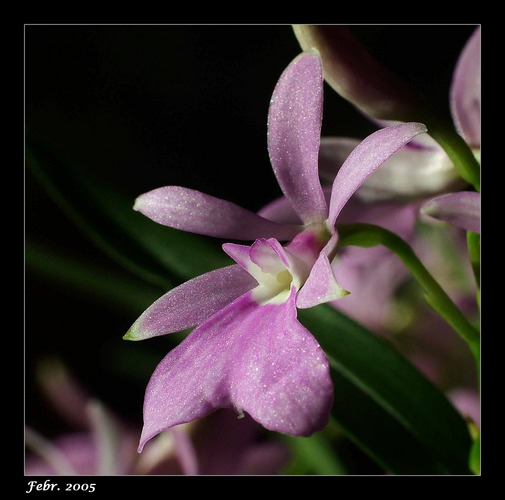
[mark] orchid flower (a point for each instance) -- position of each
(104, 444)
(421, 168)
(249, 352)
(460, 209)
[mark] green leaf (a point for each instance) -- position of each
(475, 456)
(384, 404)
(100, 283)
(157, 254)
(314, 455)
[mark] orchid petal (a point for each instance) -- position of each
(191, 303)
(280, 210)
(51, 459)
(185, 450)
(294, 130)
(372, 276)
(257, 359)
(108, 441)
(365, 159)
(398, 217)
(354, 74)
(460, 209)
(262, 257)
(321, 285)
(196, 212)
(465, 91)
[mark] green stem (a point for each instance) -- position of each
(473, 241)
(368, 235)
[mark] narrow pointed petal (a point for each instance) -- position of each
(257, 359)
(109, 442)
(185, 450)
(353, 73)
(196, 212)
(294, 130)
(466, 91)
(191, 303)
(365, 159)
(459, 209)
(321, 285)
(49, 459)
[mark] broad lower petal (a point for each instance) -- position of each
(196, 212)
(294, 130)
(256, 359)
(466, 92)
(192, 303)
(365, 159)
(460, 209)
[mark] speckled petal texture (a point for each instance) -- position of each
(294, 130)
(460, 209)
(258, 359)
(465, 91)
(365, 159)
(192, 302)
(196, 212)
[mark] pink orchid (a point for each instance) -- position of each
(249, 352)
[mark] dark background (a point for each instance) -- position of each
(142, 106)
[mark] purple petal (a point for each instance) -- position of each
(459, 209)
(67, 456)
(352, 72)
(192, 302)
(465, 91)
(196, 212)
(114, 454)
(185, 450)
(365, 159)
(372, 276)
(257, 359)
(294, 130)
(241, 443)
(467, 402)
(280, 210)
(399, 217)
(321, 285)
